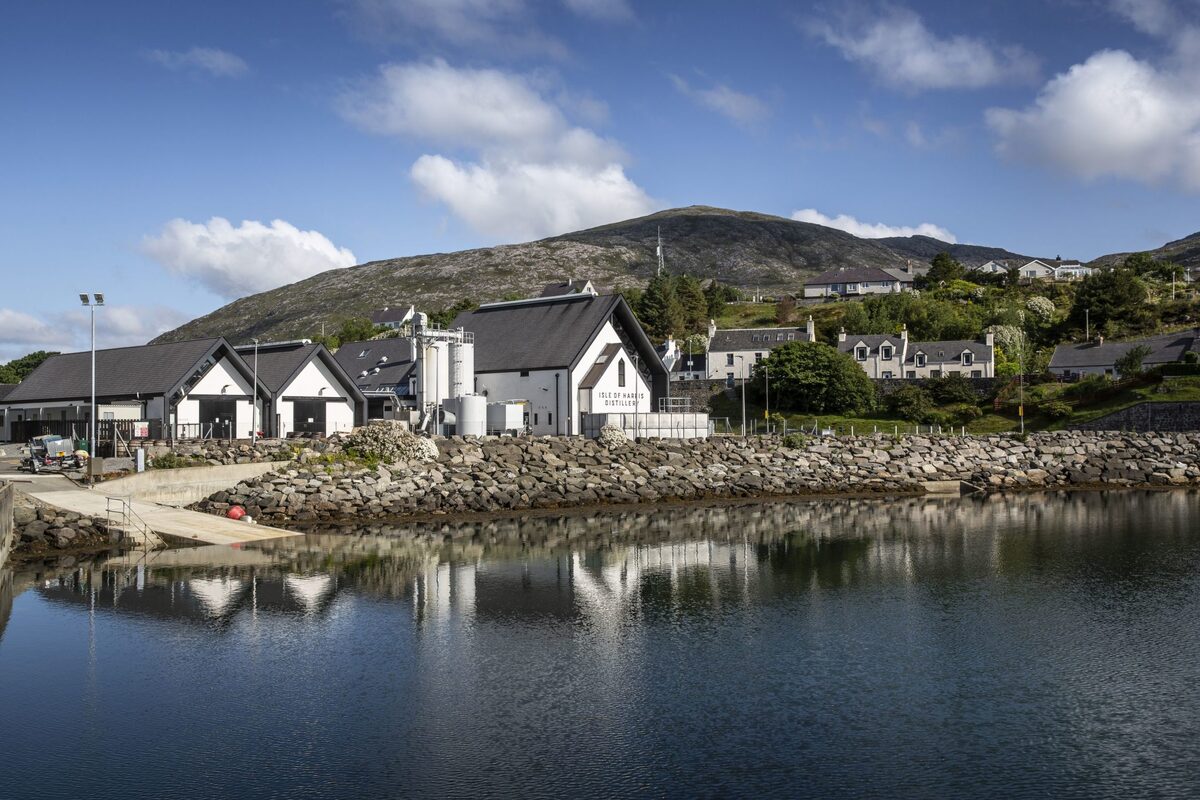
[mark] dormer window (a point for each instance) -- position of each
(861, 353)
(779, 337)
(968, 358)
(885, 352)
(791, 336)
(920, 359)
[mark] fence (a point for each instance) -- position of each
(651, 425)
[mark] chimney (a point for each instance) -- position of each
(989, 339)
(810, 328)
(842, 334)
(904, 334)
(712, 329)
(908, 266)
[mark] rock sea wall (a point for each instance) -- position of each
(485, 475)
(1148, 417)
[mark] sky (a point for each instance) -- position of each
(176, 156)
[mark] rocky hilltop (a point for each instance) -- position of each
(745, 249)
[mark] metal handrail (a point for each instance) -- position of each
(128, 518)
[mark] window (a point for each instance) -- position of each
(885, 352)
(729, 379)
(524, 373)
(920, 359)
(729, 359)
(975, 373)
(910, 374)
(363, 354)
(549, 418)
(757, 357)
(887, 375)
(860, 353)
(621, 373)
(791, 336)
(535, 418)
(779, 337)
(968, 359)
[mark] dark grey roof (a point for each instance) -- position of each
(1164, 349)
(151, 369)
(358, 357)
(389, 314)
(278, 363)
(6, 389)
(699, 363)
(945, 352)
(607, 355)
(754, 339)
(546, 334)
(849, 275)
(873, 341)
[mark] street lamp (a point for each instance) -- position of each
(743, 360)
(767, 401)
(96, 299)
(254, 398)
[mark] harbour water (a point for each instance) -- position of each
(1031, 646)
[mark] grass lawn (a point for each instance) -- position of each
(1171, 390)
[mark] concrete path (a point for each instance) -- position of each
(164, 520)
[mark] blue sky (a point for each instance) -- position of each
(176, 156)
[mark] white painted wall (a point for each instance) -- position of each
(221, 379)
(608, 396)
(537, 389)
(316, 380)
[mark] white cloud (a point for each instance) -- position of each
(533, 174)
(21, 333)
(234, 261)
(500, 26)
(603, 10)
(116, 326)
(902, 52)
(221, 63)
(1113, 115)
(872, 230)
(744, 109)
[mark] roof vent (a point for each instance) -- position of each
(362, 374)
(383, 359)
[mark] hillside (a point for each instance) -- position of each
(1185, 252)
(745, 249)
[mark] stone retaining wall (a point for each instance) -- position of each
(1145, 417)
(503, 474)
(38, 527)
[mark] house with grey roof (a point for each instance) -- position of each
(888, 356)
(311, 395)
(569, 286)
(857, 281)
(733, 352)
(564, 356)
(1100, 357)
(392, 316)
(385, 372)
(195, 388)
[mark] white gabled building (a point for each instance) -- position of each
(733, 352)
(311, 394)
(564, 356)
(991, 268)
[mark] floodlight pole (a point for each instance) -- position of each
(254, 398)
(767, 401)
(743, 360)
(91, 301)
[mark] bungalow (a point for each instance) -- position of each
(1100, 357)
(195, 388)
(569, 286)
(1070, 270)
(564, 356)
(311, 394)
(885, 357)
(392, 317)
(991, 268)
(1036, 270)
(855, 281)
(733, 352)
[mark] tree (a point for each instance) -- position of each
(809, 376)
(18, 369)
(718, 294)
(944, 268)
(1116, 296)
(1130, 364)
(659, 310)
(785, 309)
(910, 402)
(692, 303)
(447, 315)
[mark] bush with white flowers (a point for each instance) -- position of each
(1041, 307)
(390, 441)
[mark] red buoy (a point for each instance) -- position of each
(235, 512)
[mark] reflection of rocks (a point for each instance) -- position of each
(511, 474)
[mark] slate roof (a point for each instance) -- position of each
(607, 355)
(699, 363)
(6, 389)
(742, 340)
(872, 341)
(849, 275)
(392, 373)
(279, 362)
(564, 287)
(547, 334)
(151, 369)
(1164, 349)
(948, 351)
(391, 314)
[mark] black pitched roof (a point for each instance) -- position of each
(699, 363)
(6, 389)
(608, 354)
(948, 351)
(850, 275)
(279, 362)
(151, 369)
(1164, 349)
(872, 341)
(747, 339)
(389, 314)
(358, 357)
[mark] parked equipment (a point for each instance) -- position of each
(53, 452)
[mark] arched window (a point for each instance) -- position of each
(621, 373)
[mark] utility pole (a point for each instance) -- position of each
(767, 402)
(1087, 324)
(659, 252)
(743, 360)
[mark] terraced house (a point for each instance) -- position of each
(733, 352)
(887, 357)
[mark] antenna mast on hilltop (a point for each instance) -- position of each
(661, 265)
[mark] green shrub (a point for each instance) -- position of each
(1055, 409)
(1191, 357)
(175, 461)
(951, 389)
(910, 402)
(795, 441)
(1087, 387)
(962, 413)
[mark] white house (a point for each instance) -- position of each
(1071, 270)
(564, 356)
(311, 394)
(991, 268)
(885, 357)
(187, 389)
(392, 317)
(1036, 270)
(733, 352)
(857, 281)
